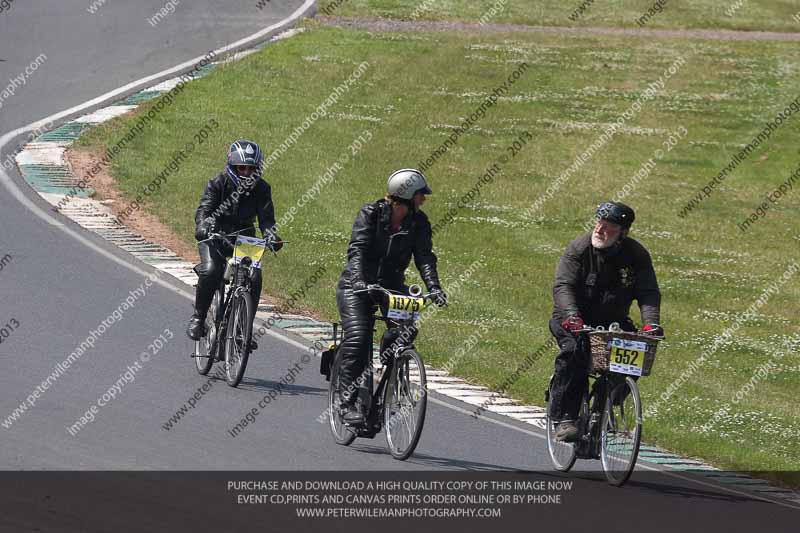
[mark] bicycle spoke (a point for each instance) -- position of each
(621, 432)
(205, 347)
(236, 339)
(562, 454)
(410, 424)
(405, 405)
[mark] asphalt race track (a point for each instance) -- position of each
(60, 288)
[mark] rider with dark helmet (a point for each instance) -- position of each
(231, 203)
(386, 234)
(597, 279)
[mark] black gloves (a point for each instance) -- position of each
(438, 296)
(205, 228)
(273, 239)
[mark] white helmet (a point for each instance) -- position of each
(406, 182)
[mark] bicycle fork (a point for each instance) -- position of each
(589, 445)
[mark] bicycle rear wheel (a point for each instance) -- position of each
(205, 351)
(342, 433)
(562, 454)
(237, 345)
(621, 432)
(405, 402)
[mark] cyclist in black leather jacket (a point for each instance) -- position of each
(597, 279)
(386, 234)
(231, 202)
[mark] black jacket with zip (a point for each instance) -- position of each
(600, 285)
(232, 213)
(375, 256)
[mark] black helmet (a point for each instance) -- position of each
(244, 153)
(616, 212)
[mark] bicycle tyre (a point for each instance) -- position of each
(562, 454)
(342, 433)
(407, 387)
(205, 361)
(617, 456)
(239, 334)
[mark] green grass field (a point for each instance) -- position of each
(675, 14)
(419, 85)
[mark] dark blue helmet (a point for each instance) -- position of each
(244, 153)
(616, 212)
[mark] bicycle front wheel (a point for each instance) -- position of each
(208, 345)
(562, 454)
(237, 346)
(342, 433)
(621, 431)
(405, 402)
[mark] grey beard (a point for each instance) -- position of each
(603, 245)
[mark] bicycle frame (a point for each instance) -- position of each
(609, 426)
(375, 408)
(228, 289)
(374, 414)
(595, 396)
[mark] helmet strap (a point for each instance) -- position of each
(403, 201)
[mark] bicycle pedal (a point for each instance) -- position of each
(366, 433)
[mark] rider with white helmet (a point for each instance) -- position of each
(386, 235)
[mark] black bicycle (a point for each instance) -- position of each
(399, 400)
(610, 417)
(228, 329)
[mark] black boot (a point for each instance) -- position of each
(567, 431)
(196, 329)
(353, 415)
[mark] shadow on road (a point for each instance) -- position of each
(261, 385)
(423, 459)
(657, 483)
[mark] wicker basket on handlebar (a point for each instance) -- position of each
(601, 349)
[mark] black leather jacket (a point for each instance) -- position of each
(373, 256)
(234, 214)
(600, 285)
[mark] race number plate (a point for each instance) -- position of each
(249, 247)
(404, 307)
(627, 356)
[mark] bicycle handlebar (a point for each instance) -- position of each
(220, 236)
(376, 287)
(601, 330)
(226, 237)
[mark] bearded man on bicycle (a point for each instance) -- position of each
(230, 204)
(385, 235)
(597, 279)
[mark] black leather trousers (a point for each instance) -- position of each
(357, 312)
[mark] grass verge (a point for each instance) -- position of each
(417, 87)
(771, 15)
